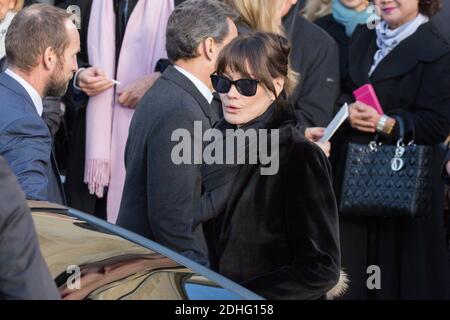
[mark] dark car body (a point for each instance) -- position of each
(92, 259)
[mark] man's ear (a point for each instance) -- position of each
(49, 58)
(209, 46)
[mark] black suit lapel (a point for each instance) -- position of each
(174, 75)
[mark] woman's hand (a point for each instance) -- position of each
(314, 134)
(131, 95)
(93, 81)
(363, 117)
(326, 147)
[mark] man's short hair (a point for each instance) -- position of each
(32, 31)
(194, 21)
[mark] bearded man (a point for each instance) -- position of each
(41, 49)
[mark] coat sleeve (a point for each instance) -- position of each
(445, 173)
(319, 87)
(430, 119)
(26, 146)
(23, 272)
(173, 190)
(313, 229)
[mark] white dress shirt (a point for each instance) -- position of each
(34, 95)
(204, 90)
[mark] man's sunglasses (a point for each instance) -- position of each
(246, 87)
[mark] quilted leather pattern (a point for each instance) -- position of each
(372, 188)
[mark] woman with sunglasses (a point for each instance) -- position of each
(278, 233)
(314, 56)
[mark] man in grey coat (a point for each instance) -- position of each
(160, 195)
(23, 272)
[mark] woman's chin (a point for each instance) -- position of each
(393, 20)
(233, 119)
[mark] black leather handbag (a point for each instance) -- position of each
(387, 180)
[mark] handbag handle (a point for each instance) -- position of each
(373, 145)
(401, 129)
(411, 134)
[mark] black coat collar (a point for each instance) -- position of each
(182, 81)
(425, 45)
(280, 115)
(335, 29)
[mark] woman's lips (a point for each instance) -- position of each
(388, 10)
(231, 109)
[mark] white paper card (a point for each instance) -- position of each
(338, 120)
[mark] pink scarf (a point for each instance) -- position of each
(107, 122)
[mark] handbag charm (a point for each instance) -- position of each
(397, 162)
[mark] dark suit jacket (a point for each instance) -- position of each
(337, 32)
(159, 196)
(315, 56)
(26, 143)
(279, 233)
(23, 272)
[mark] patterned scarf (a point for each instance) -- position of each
(388, 39)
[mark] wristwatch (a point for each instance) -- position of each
(385, 125)
(382, 123)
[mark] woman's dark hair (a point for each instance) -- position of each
(430, 7)
(261, 56)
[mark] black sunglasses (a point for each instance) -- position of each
(246, 87)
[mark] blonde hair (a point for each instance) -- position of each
(18, 6)
(259, 14)
(316, 9)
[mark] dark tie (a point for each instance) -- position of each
(125, 12)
